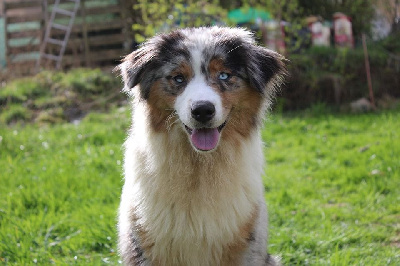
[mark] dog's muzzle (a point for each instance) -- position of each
(204, 137)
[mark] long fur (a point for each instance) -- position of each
(181, 205)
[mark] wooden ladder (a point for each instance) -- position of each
(62, 42)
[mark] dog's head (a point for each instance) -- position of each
(215, 80)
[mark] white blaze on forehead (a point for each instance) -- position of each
(196, 61)
(198, 90)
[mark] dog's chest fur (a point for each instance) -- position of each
(200, 211)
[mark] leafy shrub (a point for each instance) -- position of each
(56, 96)
(330, 75)
(15, 113)
(391, 43)
(87, 82)
(51, 116)
(19, 91)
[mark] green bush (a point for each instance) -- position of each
(57, 96)
(15, 113)
(51, 116)
(328, 75)
(391, 43)
(87, 82)
(22, 90)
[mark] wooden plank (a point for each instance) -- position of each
(24, 34)
(19, 2)
(99, 2)
(116, 24)
(14, 50)
(11, 4)
(93, 27)
(95, 11)
(28, 18)
(115, 54)
(19, 65)
(2, 9)
(95, 41)
(64, 12)
(24, 56)
(51, 57)
(106, 39)
(97, 56)
(103, 10)
(74, 42)
(111, 57)
(22, 67)
(101, 39)
(23, 11)
(109, 25)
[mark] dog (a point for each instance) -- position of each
(193, 192)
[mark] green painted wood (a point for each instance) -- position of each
(3, 47)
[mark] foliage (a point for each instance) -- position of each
(86, 82)
(20, 91)
(314, 72)
(392, 43)
(150, 17)
(14, 112)
(332, 186)
(360, 11)
(163, 15)
(288, 10)
(57, 96)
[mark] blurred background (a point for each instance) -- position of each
(332, 142)
(323, 39)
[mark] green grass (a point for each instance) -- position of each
(60, 188)
(332, 187)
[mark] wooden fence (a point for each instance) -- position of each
(99, 36)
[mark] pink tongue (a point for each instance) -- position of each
(205, 139)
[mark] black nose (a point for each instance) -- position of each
(203, 111)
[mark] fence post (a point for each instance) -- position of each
(85, 34)
(3, 34)
(368, 71)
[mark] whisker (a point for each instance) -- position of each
(171, 124)
(233, 49)
(171, 63)
(171, 116)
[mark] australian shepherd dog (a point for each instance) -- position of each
(193, 192)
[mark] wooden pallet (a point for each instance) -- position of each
(99, 37)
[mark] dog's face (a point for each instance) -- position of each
(215, 80)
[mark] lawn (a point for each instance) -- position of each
(332, 186)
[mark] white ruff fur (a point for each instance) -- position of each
(190, 204)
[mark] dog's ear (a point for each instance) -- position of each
(141, 66)
(265, 69)
(135, 67)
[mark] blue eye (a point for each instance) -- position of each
(223, 76)
(179, 79)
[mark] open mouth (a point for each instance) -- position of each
(205, 139)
